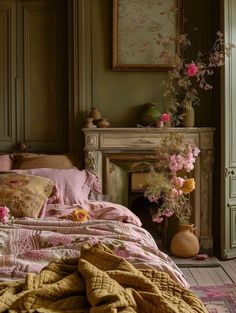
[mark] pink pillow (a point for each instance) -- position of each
(6, 163)
(73, 185)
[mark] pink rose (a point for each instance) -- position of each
(4, 214)
(192, 69)
(4, 211)
(165, 117)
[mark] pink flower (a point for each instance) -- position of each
(4, 211)
(192, 69)
(168, 212)
(4, 214)
(165, 117)
(189, 166)
(196, 151)
(157, 218)
(180, 160)
(154, 197)
(189, 157)
(177, 182)
(176, 163)
(174, 194)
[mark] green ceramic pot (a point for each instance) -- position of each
(150, 114)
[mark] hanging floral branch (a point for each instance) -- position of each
(189, 74)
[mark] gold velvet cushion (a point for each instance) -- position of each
(25, 195)
(33, 160)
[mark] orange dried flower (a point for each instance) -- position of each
(80, 215)
(188, 185)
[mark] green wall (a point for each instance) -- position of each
(120, 95)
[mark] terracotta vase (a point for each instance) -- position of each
(184, 243)
(189, 117)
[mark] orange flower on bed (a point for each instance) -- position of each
(80, 215)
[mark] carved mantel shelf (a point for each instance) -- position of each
(110, 152)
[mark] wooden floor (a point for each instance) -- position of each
(224, 273)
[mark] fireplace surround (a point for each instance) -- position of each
(110, 152)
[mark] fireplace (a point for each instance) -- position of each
(110, 152)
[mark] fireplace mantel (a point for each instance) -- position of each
(110, 151)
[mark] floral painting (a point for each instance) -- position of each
(136, 27)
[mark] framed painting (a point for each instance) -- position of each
(145, 33)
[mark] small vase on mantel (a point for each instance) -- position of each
(189, 117)
(95, 114)
(149, 114)
(184, 243)
(103, 123)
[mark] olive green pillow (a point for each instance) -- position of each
(25, 195)
(34, 160)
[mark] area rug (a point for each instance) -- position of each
(218, 299)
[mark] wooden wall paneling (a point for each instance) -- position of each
(53, 73)
(43, 75)
(7, 74)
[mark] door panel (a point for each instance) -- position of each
(34, 101)
(7, 75)
(228, 203)
(43, 75)
(233, 228)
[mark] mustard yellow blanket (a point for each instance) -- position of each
(97, 282)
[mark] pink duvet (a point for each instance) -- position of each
(96, 210)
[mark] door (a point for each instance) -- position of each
(228, 203)
(34, 101)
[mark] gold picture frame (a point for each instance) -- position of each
(138, 27)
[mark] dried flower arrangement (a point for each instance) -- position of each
(165, 187)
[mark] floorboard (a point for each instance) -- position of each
(230, 268)
(188, 275)
(211, 276)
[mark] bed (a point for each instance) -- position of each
(66, 253)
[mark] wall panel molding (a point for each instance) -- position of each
(79, 68)
(7, 75)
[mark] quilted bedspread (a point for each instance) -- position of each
(30, 244)
(97, 281)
